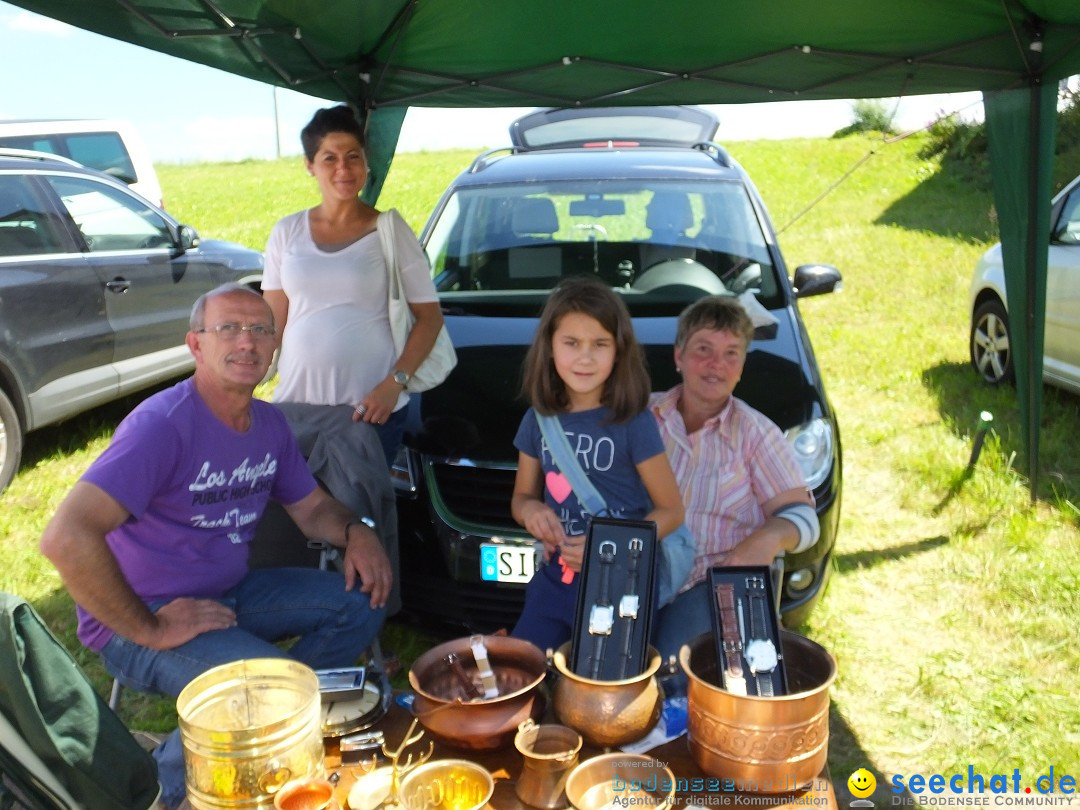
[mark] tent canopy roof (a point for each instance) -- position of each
(474, 53)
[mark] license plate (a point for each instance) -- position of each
(507, 563)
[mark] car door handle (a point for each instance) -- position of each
(118, 285)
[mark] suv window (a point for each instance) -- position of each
(26, 226)
(109, 218)
(527, 237)
(104, 151)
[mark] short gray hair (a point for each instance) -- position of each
(198, 310)
(722, 313)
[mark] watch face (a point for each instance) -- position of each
(761, 655)
(401, 378)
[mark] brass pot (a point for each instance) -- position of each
(763, 744)
(607, 713)
(447, 784)
(621, 779)
(479, 724)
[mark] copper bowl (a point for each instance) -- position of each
(607, 713)
(763, 744)
(620, 779)
(452, 717)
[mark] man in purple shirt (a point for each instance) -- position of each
(152, 542)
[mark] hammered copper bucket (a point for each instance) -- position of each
(607, 713)
(763, 744)
(455, 718)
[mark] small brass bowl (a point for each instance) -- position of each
(447, 784)
(629, 779)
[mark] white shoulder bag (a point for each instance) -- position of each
(442, 358)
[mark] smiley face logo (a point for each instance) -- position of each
(861, 783)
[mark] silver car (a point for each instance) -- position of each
(990, 342)
(96, 287)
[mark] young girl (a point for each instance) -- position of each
(586, 366)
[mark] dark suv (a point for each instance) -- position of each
(639, 197)
(96, 287)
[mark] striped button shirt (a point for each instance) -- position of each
(726, 470)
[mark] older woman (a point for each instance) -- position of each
(745, 496)
(326, 282)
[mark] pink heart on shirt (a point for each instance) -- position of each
(558, 486)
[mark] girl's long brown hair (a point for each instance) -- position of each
(626, 391)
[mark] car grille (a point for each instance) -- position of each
(478, 495)
(476, 607)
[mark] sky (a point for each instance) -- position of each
(187, 113)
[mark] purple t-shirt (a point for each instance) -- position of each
(195, 489)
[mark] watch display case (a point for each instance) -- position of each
(746, 630)
(615, 600)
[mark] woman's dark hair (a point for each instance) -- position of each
(325, 121)
(722, 313)
(626, 391)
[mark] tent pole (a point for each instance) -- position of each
(1033, 380)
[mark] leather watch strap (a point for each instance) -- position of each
(602, 616)
(755, 589)
(629, 604)
(733, 678)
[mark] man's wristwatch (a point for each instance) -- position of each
(402, 377)
(365, 520)
(760, 650)
(602, 615)
(733, 678)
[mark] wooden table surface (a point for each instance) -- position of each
(505, 764)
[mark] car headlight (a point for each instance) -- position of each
(813, 445)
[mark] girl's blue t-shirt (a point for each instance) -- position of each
(608, 452)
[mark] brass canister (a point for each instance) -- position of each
(764, 744)
(248, 728)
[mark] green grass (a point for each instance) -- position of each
(954, 601)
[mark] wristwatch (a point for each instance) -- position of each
(602, 615)
(629, 603)
(760, 650)
(402, 377)
(362, 519)
(732, 645)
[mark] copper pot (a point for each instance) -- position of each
(455, 718)
(607, 713)
(763, 744)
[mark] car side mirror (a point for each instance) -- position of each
(189, 238)
(816, 279)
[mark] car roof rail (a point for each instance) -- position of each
(718, 153)
(485, 159)
(7, 151)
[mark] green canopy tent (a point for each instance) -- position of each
(385, 55)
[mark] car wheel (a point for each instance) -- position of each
(10, 441)
(991, 353)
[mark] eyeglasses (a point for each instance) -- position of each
(232, 331)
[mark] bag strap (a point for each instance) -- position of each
(385, 227)
(587, 494)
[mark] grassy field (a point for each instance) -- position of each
(954, 601)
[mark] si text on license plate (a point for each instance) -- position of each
(500, 563)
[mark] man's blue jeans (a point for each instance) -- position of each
(333, 627)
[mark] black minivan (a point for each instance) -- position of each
(642, 198)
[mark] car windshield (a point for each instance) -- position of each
(669, 241)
